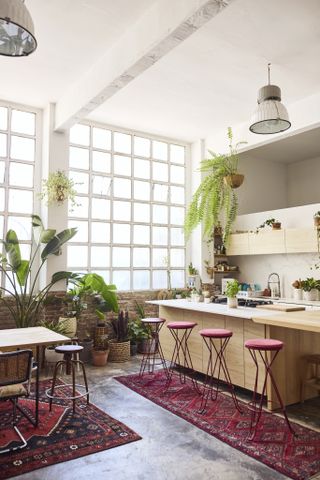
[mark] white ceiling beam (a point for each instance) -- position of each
(164, 25)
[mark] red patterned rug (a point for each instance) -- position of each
(61, 435)
(297, 456)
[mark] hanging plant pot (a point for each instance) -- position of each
(234, 181)
(276, 226)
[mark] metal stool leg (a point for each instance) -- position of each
(153, 350)
(54, 379)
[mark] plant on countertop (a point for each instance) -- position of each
(57, 188)
(297, 284)
(232, 289)
(310, 284)
(215, 199)
(23, 299)
(316, 218)
(270, 222)
(192, 270)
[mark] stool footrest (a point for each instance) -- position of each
(67, 397)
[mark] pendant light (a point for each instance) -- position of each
(16, 29)
(271, 115)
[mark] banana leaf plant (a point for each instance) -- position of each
(23, 299)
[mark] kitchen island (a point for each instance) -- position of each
(300, 331)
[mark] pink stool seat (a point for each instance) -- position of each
(152, 320)
(181, 325)
(263, 344)
(215, 333)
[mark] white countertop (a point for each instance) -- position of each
(215, 308)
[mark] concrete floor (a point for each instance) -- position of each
(170, 449)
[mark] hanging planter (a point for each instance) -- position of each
(234, 181)
(58, 188)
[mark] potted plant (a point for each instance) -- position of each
(231, 291)
(23, 300)
(58, 188)
(316, 219)
(270, 222)
(100, 351)
(310, 288)
(215, 198)
(297, 289)
(120, 344)
(50, 354)
(137, 333)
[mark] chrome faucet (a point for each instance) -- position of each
(275, 291)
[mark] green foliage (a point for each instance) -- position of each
(58, 188)
(192, 270)
(23, 274)
(317, 214)
(215, 200)
(309, 284)
(269, 222)
(137, 330)
(58, 327)
(120, 326)
(232, 289)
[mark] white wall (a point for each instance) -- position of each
(303, 182)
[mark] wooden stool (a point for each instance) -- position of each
(311, 365)
(70, 360)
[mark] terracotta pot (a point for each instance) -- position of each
(234, 181)
(99, 357)
(276, 226)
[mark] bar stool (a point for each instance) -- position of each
(216, 340)
(262, 347)
(181, 332)
(153, 355)
(70, 361)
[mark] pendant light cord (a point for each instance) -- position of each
(269, 65)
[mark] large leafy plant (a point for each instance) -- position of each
(215, 200)
(23, 299)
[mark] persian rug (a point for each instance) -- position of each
(60, 436)
(297, 456)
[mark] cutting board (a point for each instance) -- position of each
(282, 308)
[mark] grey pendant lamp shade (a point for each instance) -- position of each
(16, 29)
(271, 115)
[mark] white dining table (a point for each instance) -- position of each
(21, 338)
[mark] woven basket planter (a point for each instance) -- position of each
(119, 351)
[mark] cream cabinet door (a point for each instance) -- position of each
(301, 240)
(272, 241)
(239, 244)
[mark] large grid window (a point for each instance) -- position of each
(130, 208)
(17, 165)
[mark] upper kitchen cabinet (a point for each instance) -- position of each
(272, 241)
(238, 244)
(300, 240)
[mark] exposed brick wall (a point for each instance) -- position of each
(55, 308)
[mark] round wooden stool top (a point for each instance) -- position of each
(69, 349)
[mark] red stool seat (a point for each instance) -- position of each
(215, 333)
(181, 325)
(152, 320)
(263, 344)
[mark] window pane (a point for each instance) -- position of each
(121, 279)
(3, 145)
(177, 257)
(141, 212)
(177, 154)
(82, 233)
(159, 235)
(101, 162)
(121, 233)
(141, 280)
(141, 168)
(142, 146)
(177, 278)
(122, 211)
(3, 118)
(160, 150)
(80, 134)
(141, 257)
(100, 208)
(122, 142)
(79, 158)
(122, 165)
(177, 215)
(22, 148)
(101, 185)
(177, 195)
(20, 201)
(2, 199)
(121, 257)
(177, 174)
(105, 274)
(141, 234)
(1, 226)
(100, 232)
(23, 122)
(81, 181)
(177, 236)
(100, 256)
(159, 214)
(160, 193)
(141, 190)
(101, 138)
(159, 279)
(160, 171)
(25, 250)
(122, 187)
(159, 257)
(22, 227)
(2, 171)
(77, 256)
(80, 209)
(21, 175)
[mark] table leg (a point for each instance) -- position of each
(37, 385)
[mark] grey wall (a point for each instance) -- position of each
(304, 182)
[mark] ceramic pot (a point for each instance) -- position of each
(297, 293)
(232, 302)
(207, 300)
(276, 226)
(311, 296)
(99, 357)
(52, 356)
(234, 181)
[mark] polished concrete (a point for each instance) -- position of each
(170, 449)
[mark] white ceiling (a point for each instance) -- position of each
(207, 83)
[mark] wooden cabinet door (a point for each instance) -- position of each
(239, 244)
(214, 321)
(253, 330)
(234, 352)
(272, 241)
(301, 240)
